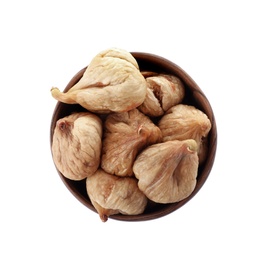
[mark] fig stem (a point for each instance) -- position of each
(62, 97)
(192, 145)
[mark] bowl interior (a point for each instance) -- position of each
(194, 96)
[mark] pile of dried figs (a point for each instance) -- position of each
(136, 141)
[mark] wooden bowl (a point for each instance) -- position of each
(194, 96)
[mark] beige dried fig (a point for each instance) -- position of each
(76, 146)
(125, 134)
(183, 122)
(112, 82)
(167, 172)
(163, 92)
(111, 195)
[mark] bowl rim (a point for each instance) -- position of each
(168, 67)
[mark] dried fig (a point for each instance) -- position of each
(163, 92)
(125, 134)
(183, 122)
(167, 172)
(112, 82)
(111, 195)
(76, 146)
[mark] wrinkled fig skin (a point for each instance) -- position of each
(163, 92)
(111, 195)
(183, 122)
(76, 146)
(111, 83)
(167, 172)
(126, 134)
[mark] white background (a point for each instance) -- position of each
(44, 43)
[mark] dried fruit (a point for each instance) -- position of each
(111, 195)
(183, 122)
(112, 82)
(167, 172)
(76, 146)
(125, 134)
(163, 92)
(136, 142)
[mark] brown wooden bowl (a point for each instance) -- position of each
(194, 96)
